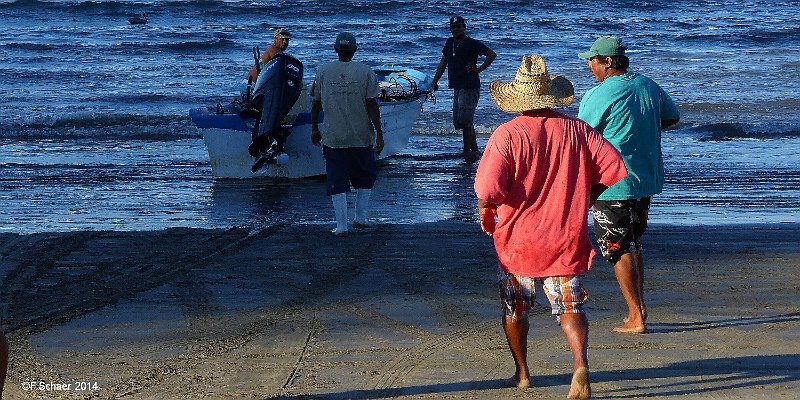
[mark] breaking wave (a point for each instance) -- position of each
(102, 127)
(720, 132)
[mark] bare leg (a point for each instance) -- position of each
(626, 271)
(472, 139)
(640, 283)
(576, 330)
(580, 388)
(517, 337)
(470, 143)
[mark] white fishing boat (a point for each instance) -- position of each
(227, 135)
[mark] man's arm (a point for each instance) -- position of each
(490, 56)
(439, 72)
(316, 108)
(374, 114)
(268, 55)
(597, 190)
(666, 123)
(670, 114)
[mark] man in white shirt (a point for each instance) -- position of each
(347, 90)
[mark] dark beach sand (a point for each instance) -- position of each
(398, 311)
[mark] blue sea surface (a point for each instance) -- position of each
(94, 131)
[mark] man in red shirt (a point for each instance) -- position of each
(538, 176)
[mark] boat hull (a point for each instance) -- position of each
(227, 136)
(227, 148)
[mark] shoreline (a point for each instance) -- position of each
(406, 311)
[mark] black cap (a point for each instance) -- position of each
(457, 20)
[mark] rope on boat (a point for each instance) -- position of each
(400, 87)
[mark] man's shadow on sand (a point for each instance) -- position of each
(674, 327)
(693, 377)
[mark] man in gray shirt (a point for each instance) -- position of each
(347, 90)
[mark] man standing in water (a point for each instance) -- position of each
(630, 110)
(539, 175)
(347, 90)
(460, 57)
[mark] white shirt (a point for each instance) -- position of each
(343, 88)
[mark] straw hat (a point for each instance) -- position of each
(532, 88)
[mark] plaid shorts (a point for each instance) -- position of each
(619, 226)
(517, 293)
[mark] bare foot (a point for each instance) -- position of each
(580, 388)
(631, 328)
(518, 382)
(644, 316)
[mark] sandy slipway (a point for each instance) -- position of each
(395, 311)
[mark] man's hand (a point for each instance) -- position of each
(316, 136)
(487, 214)
(316, 110)
(379, 144)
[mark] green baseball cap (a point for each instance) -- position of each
(345, 41)
(605, 46)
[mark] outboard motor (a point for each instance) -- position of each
(276, 90)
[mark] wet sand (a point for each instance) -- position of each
(396, 311)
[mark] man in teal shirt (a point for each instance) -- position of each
(630, 110)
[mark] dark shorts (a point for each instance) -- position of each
(465, 101)
(349, 165)
(619, 226)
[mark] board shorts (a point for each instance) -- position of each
(619, 226)
(465, 101)
(517, 293)
(349, 165)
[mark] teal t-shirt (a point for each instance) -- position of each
(628, 110)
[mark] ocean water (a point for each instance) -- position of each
(94, 132)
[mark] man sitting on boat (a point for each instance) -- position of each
(279, 45)
(268, 136)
